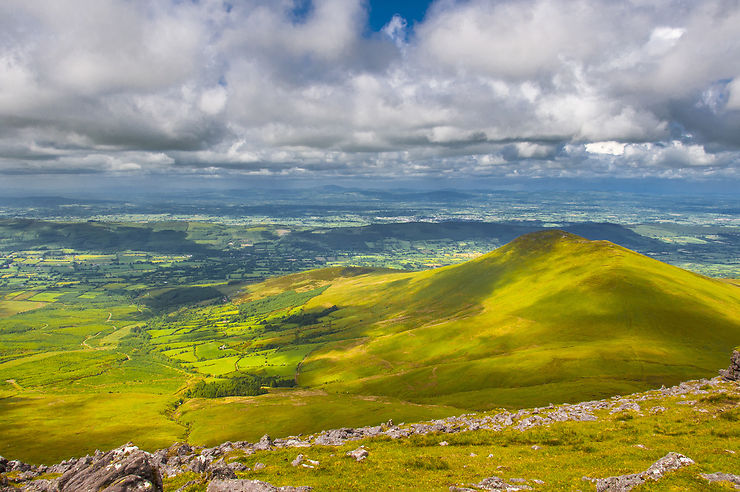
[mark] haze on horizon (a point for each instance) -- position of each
(345, 89)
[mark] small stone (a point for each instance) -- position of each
(258, 466)
(536, 447)
(444, 443)
(358, 454)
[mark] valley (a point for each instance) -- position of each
(548, 318)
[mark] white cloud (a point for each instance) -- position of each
(611, 148)
(396, 30)
(213, 101)
(733, 102)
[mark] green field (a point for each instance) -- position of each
(550, 317)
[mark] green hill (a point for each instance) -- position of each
(549, 317)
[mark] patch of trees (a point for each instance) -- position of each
(241, 386)
(277, 302)
(181, 296)
(308, 318)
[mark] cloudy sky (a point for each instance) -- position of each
(338, 88)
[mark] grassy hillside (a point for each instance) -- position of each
(549, 317)
(700, 420)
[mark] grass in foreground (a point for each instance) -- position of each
(705, 428)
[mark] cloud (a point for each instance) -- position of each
(610, 148)
(396, 30)
(527, 87)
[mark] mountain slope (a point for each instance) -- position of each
(549, 317)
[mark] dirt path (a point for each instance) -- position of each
(14, 384)
(86, 345)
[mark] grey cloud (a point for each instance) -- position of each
(480, 87)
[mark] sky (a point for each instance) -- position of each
(366, 89)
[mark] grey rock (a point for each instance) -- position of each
(624, 483)
(187, 484)
(372, 431)
(199, 464)
(625, 406)
(240, 486)
(123, 469)
(42, 486)
(220, 470)
(181, 449)
(499, 484)
(17, 466)
(337, 437)
(723, 477)
(295, 443)
(621, 483)
(238, 466)
(264, 444)
(732, 373)
(397, 433)
(244, 485)
(358, 454)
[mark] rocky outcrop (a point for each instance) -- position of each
(624, 483)
(124, 469)
(127, 468)
(732, 373)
